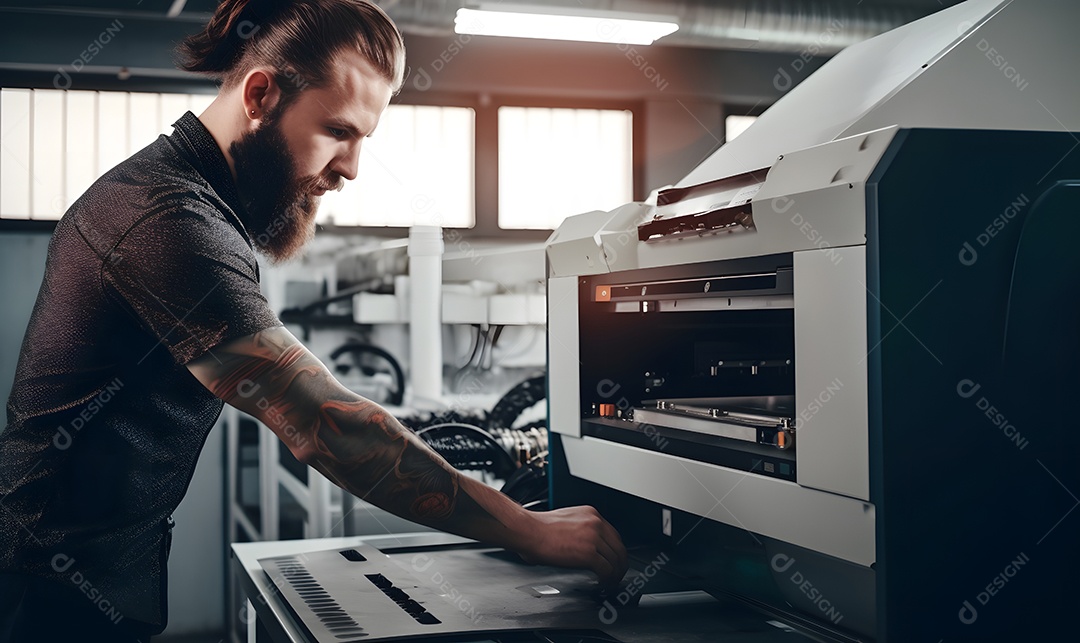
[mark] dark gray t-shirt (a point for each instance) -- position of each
(149, 269)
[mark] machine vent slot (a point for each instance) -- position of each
(727, 219)
(354, 556)
(403, 600)
(319, 601)
(718, 286)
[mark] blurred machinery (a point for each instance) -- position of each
(495, 443)
(485, 409)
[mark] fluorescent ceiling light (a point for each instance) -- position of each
(526, 21)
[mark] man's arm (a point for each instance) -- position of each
(364, 450)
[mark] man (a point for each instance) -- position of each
(150, 315)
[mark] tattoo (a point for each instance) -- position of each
(351, 440)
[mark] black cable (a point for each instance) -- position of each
(459, 425)
(485, 348)
(453, 441)
(478, 349)
(523, 396)
(398, 394)
(315, 315)
(527, 485)
(475, 347)
(366, 286)
(421, 419)
(491, 352)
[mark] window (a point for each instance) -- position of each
(735, 125)
(416, 169)
(54, 144)
(15, 153)
(554, 163)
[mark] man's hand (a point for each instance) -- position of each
(578, 537)
(364, 450)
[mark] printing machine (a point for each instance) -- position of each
(820, 384)
(827, 370)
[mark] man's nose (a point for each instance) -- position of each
(347, 165)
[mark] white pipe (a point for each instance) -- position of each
(425, 311)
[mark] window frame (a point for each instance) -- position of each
(486, 190)
(634, 177)
(485, 106)
(403, 231)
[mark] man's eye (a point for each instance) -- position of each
(337, 133)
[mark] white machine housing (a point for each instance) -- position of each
(802, 170)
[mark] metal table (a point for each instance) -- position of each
(504, 586)
(268, 618)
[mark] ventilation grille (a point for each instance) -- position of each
(319, 601)
(353, 555)
(403, 600)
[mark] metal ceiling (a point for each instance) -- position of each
(826, 26)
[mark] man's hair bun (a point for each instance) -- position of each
(297, 38)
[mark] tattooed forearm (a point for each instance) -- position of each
(351, 440)
(358, 445)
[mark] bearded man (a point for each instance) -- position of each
(150, 317)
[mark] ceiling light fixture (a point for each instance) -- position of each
(563, 23)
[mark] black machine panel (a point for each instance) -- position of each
(694, 361)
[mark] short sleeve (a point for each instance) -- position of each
(191, 279)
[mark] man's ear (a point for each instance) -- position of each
(259, 92)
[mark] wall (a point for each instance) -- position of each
(680, 94)
(22, 265)
(196, 589)
(198, 565)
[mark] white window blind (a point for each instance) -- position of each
(554, 163)
(15, 172)
(417, 169)
(55, 143)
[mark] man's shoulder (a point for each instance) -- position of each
(158, 177)
(156, 187)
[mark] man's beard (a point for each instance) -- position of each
(280, 206)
